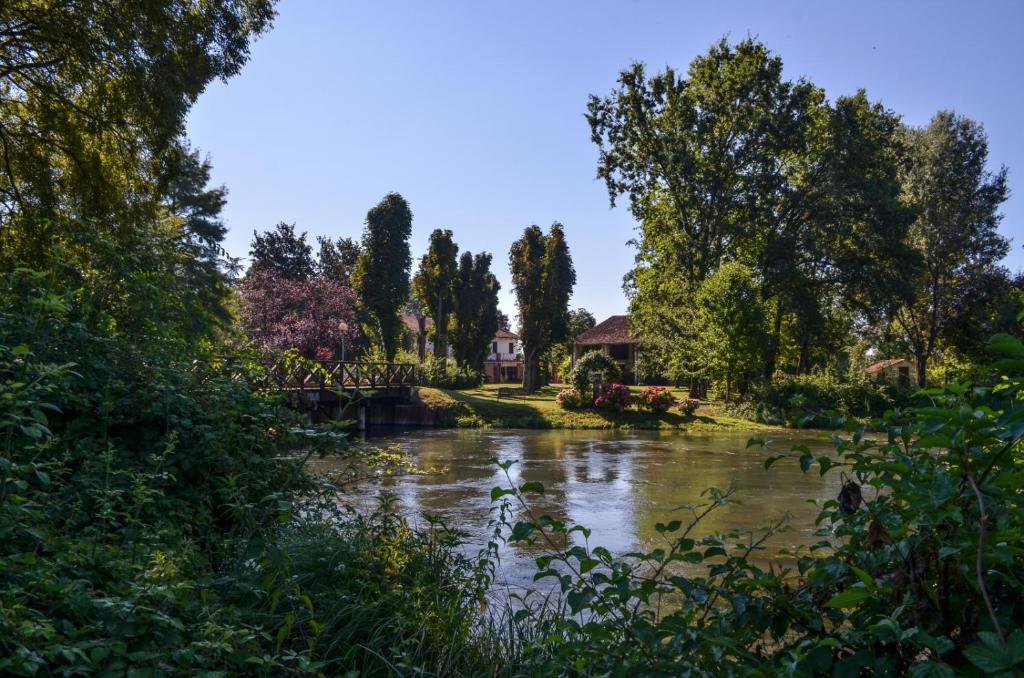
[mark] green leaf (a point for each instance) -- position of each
(851, 597)
(588, 564)
(805, 462)
(521, 531)
(498, 492)
(532, 486)
(863, 576)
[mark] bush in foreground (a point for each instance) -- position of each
(570, 399)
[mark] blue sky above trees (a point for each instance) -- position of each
(474, 111)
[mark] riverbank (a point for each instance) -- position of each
(481, 407)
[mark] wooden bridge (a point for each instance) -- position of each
(325, 375)
(334, 375)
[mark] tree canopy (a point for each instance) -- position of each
(957, 198)
(381, 276)
(434, 284)
(543, 278)
(735, 163)
(475, 309)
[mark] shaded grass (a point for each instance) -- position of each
(482, 407)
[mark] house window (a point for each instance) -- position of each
(618, 351)
(511, 347)
(904, 378)
(494, 347)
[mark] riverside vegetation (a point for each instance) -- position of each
(151, 520)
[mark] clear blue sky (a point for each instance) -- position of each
(474, 110)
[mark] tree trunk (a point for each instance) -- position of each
(531, 370)
(922, 368)
(771, 355)
(421, 338)
(440, 331)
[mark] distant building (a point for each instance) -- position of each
(894, 371)
(612, 337)
(505, 362)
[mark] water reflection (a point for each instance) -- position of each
(619, 484)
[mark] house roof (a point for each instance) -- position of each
(875, 368)
(614, 330)
(505, 334)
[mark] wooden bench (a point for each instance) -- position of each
(510, 392)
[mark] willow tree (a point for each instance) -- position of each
(434, 285)
(543, 278)
(475, 310)
(381, 276)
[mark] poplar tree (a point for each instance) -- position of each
(475, 309)
(543, 277)
(434, 285)
(381, 277)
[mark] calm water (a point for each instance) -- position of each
(616, 483)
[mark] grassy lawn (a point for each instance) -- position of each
(481, 407)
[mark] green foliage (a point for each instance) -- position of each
(817, 398)
(732, 162)
(445, 373)
(381, 276)
(590, 362)
(957, 201)
(476, 310)
(731, 325)
(337, 260)
(915, 573)
(434, 284)
(283, 252)
(93, 96)
(543, 278)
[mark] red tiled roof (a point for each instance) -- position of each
(505, 334)
(614, 330)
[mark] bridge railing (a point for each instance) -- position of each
(290, 374)
(338, 374)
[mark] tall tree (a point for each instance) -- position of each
(434, 284)
(337, 259)
(543, 277)
(580, 320)
(283, 251)
(957, 199)
(732, 325)
(382, 272)
(475, 309)
(94, 164)
(733, 162)
(92, 95)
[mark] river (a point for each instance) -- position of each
(618, 484)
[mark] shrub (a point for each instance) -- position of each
(593, 361)
(614, 398)
(570, 399)
(656, 398)
(443, 373)
(815, 399)
(688, 406)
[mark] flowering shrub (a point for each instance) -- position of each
(656, 398)
(569, 399)
(593, 361)
(689, 405)
(614, 397)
